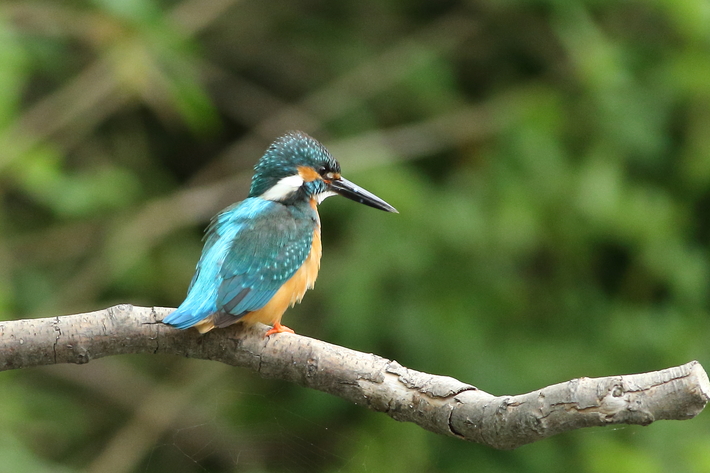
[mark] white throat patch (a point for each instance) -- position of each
(284, 188)
(324, 195)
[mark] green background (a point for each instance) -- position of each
(550, 161)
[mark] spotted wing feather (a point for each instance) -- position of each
(251, 250)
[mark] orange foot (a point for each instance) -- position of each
(278, 328)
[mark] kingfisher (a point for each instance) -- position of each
(262, 254)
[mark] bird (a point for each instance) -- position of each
(262, 254)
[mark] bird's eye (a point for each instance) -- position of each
(327, 173)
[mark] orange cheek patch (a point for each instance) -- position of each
(308, 174)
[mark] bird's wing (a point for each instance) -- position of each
(266, 250)
(251, 249)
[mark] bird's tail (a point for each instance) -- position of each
(182, 319)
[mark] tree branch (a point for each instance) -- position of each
(437, 403)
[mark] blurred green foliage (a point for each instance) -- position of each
(550, 160)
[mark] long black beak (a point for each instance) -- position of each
(354, 192)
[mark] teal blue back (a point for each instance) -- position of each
(252, 248)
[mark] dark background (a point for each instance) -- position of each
(550, 161)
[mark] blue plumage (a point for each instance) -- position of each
(261, 254)
(251, 249)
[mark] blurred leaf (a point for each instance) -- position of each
(13, 73)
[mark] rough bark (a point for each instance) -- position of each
(438, 403)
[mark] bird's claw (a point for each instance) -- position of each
(278, 328)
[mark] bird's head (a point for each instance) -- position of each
(297, 167)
